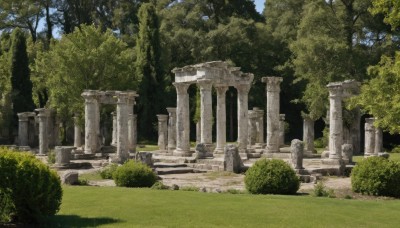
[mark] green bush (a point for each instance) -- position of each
(159, 186)
(51, 157)
(376, 176)
(6, 206)
(395, 149)
(34, 189)
(271, 177)
(107, 172)
(134, 174)
(321, 191)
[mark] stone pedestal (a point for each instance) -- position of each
(296, 150)
(347, 152)
(221, 119)
(63, 155)
(92, 118)
(308, 135)
(162, 132)
(369, 148)
(378, 141)
(146, 158)
(206, 118)
(182, 120)
(242, 109)
(171, 129)
(114, 130)
(43, 133)
(335, 120)
(281, 129)
(232, 161)
(273, 100)
(77, 133)
(23, 123)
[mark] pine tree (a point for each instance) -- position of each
(148, 67)
(20, 74)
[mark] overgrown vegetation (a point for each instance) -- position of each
(108, 172)
(134, 174)
(321, 191)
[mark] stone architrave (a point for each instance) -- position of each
(335, 120)
(232, 160)
(92, 119)
(182, 120)
(252, 128)
(206, 117)
(162, 132)
(243, 118)
(297, 150)
(378, 141)
(259, 126)
(221, 118)
(308, 135)
(23, 123)
(347, 152)
(43, 115)
(171, 129)
(273, 100)
(369, 146)
(122, 127)
(77, 133)
(281, 129)
(114, 130)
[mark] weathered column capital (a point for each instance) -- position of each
(162, 118)
(90, 96)
(181, 88)
(205, 84)
(123, 97)
(272, 83)
(243, 88)
(171, 110)
(221, 89)
(369, 124)
(24, 116)
(335, 90)
(252, 115)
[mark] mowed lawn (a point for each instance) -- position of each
(85, 206)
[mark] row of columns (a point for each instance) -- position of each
(373, 139)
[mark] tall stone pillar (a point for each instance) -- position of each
(335, 120)
(260, 127)
(134, 133)
(308, 135)
(182, 120)
(378, 141)
(252, 128)
(51, 126)
(131, 130)
(206, 117)
(77, 133)
(56, 130)
(43, 134)
(355, 131)
(221, 118)
(281, 129)
(162, 132)
(243, 118)
(122, 127)
(273, 98)
(23, 123)
(171, 129)
(369, 148)
(114, 129)
(92, 119)
(198, 132)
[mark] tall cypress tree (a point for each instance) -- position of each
(20, 74)
(148, 67)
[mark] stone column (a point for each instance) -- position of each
(56, 131)
(335, 120)
(369, 146)
(114, 130)
(296, 150)
(206, 117)
(260, 126)
(308, 135)
(131, 130)
(221, 118)
(134, 133)
(378, 141)
(242, 109)
(51, 128)
(281, 129)
(273, 98)
(252, 128)
(198, 132)
(355, 131)
(171, 129)
(122, 127)
(23, 123)
(77, 133)
(162, 132)
(91, 121)
(182, 120)
(43, 134)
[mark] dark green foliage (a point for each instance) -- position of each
(34, 189)
(376, 176)
(6, 206)
(20, 74)
(107, 172)
(149, 68)
(51, 157)
(134, 174)
(271, 177)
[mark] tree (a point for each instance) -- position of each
(20, 75)
(5, 86)
(86, 59)
(148, 67)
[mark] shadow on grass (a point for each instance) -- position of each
(77, 221)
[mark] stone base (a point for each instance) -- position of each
(277, 155)
(325, 154)
(243, 156)
(181, 153)
(335, 163)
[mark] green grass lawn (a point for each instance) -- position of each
(123, 207)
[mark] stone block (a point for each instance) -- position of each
(384, 154)
(297, 150)
(232, 160)
(63, 155)
(70, 178)
(146, 158)
(347, 153)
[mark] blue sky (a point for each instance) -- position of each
(259, 5)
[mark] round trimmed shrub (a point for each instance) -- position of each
(33, 189)
(376, 176)
(271, 177)
(107, 173)
(134, 174)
